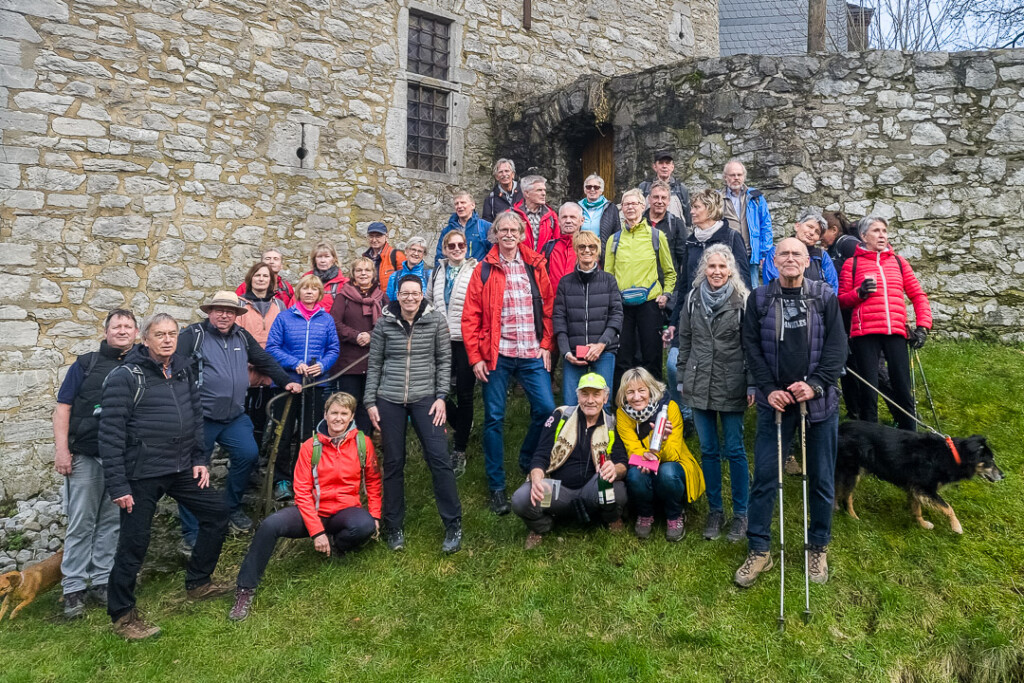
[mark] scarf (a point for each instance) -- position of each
(307, 313)
(593, 211)
(451, 273)
(326, 275)
(702, 234)
(642, 416)
(370, 305)
(712, 299)
(565, 444)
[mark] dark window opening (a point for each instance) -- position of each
(427, 140)
(428, 46)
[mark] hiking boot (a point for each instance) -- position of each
(240, 521)
(132, 626)
(396, 539)
(675, 529)
(752, 567)
(616, 527)
(243, 604)
(533, 539)
(99, 594)
(283, 491)
(817, 564)
(452, 539)
(499, 503)
(738, 529)
(713, 526)
(791, 466)
(459, 463)
(74, 604)
(643, 527)
(208, 591)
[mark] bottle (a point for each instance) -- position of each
(658, 434)
(605, 489)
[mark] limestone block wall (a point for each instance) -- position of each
(933, 141)
(147, 149)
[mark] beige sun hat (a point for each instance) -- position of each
(225, 299)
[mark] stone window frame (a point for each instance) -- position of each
(456, 85)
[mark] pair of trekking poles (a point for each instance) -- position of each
(782, 528)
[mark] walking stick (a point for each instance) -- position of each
(268, 483)
(927, 391)
(782, 531)
(913, 383)
(803, 466)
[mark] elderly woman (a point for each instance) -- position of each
(600, 216)
(304, 342)
(327, 506)
(355, 312)
(670, 474)
(407, 381)
(641, 261)
(714, 381)
(414, 265)
(873, 285)
(447, 294)
(809, 228)
(587, 318)
(324, 260)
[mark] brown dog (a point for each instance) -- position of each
(23, 587)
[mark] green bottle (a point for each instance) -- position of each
(605, 489)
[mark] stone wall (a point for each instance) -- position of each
(934, 141)
(147, 149)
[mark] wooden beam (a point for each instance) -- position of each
(527, 14)
(816, 13)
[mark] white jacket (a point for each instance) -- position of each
(435, 294)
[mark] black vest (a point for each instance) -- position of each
(84, 427)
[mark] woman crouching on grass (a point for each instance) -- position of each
(328, 473)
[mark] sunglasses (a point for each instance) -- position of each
(591, 187)
(456, 245)
(587, 247)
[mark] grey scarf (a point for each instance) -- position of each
(702, 234)
(712, 299)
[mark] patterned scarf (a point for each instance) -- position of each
(565, 444)
(642, 416)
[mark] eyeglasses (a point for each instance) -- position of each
(591, 187)
(409, 295)
(507, 231)
(790, 255)
(456, 245)
(587, 247)
(632, 203)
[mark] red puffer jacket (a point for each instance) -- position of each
(561, 258)
(339, 477)
(884, 311)
(548, 229)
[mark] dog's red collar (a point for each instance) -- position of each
(952, 449)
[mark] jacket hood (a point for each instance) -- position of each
(393, 312)
(453, 221)
(108, 351)
(325, 437)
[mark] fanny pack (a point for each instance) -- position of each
(636, 296)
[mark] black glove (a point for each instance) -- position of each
(867, 287)
(918, 338)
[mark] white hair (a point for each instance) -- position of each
(730, 263)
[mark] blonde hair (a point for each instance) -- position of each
(639, 375)
(340, 398)
(322, 246)
(586, 237)
(359, 261)
(310, 281)
(635, 192)
(712, 201)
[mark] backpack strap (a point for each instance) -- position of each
(94, 357)
(137, 374)
(655, 242)
(314, 459)
(548, 247)
(485, 272)
(197, 351)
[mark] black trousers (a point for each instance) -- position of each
(348, 529)
(640, 338)
(460, 410)
(206, 504)
(867, 350)
(284, 466)
(393, 419)
(356, 385)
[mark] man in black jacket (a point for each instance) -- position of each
(151, 443)
(506, 192)
(221, 352)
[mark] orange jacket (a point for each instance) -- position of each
(481, 313)
(391, 259)
(340, 480)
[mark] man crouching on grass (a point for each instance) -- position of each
(572, 475)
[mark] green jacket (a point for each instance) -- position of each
(634, 263)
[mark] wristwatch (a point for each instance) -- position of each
(819, 390)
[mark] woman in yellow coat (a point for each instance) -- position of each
(671, 476)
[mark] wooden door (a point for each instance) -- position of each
(598, 158)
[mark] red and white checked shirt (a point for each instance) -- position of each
(518, 332)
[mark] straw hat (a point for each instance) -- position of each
(225, 299)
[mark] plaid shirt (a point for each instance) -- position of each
(533, 217)
(518, 332)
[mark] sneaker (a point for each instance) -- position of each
(791, 466)
(616, 527)
(185, 548)
(643, 527)
(499, 503)
(675, 529)
(452, 539)
(243, 604)
(752, 567)
(713, 527)
(208, 591)
(738, 529)
(283, 491)
(132, 626)
(817, 564)
(74, 604)
(533, 539)
(240, 521)
(99, 594)
(396, 539)
(459, 463)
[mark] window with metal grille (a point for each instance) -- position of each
(427, 140)
(428, 46)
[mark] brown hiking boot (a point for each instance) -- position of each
(243, 604)
(208, 591)
(817, 564)
(616, 527)
(131, 626)
(533, 539)
(755, 563)
(792, 466)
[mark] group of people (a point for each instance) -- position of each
(372, 345)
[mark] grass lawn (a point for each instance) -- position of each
(902, 604)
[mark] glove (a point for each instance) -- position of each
(918, 338)
(867, 287)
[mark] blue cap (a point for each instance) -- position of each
(377, 227)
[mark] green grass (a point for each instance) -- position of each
(902, 604)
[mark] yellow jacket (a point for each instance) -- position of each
(673, 450)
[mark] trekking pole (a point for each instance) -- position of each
(782, 532)
(803, 467)
(913, 382)
(927, 391)
(275, 443)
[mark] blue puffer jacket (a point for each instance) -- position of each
(419, 269)
(476, 236)
(821, 268)
(293, 340)
(759, 224)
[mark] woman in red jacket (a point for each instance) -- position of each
(324, 259)
(873, 284)
(327, 505)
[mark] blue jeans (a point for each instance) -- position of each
(536, 382)
(672, 379)
(735, 452)
(668, 486)
(243, 453)
(821, 465)
(604, 366)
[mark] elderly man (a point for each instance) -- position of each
(386, 259)
(795, 346)
(221, 353)
(151, 441)
(559, 252)
(746, 211)
(284, 290)
(679, 202)
(572, 471)
(808, 229)
(541, 220)
(465, 219)
(506, 192)
(506, 327)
